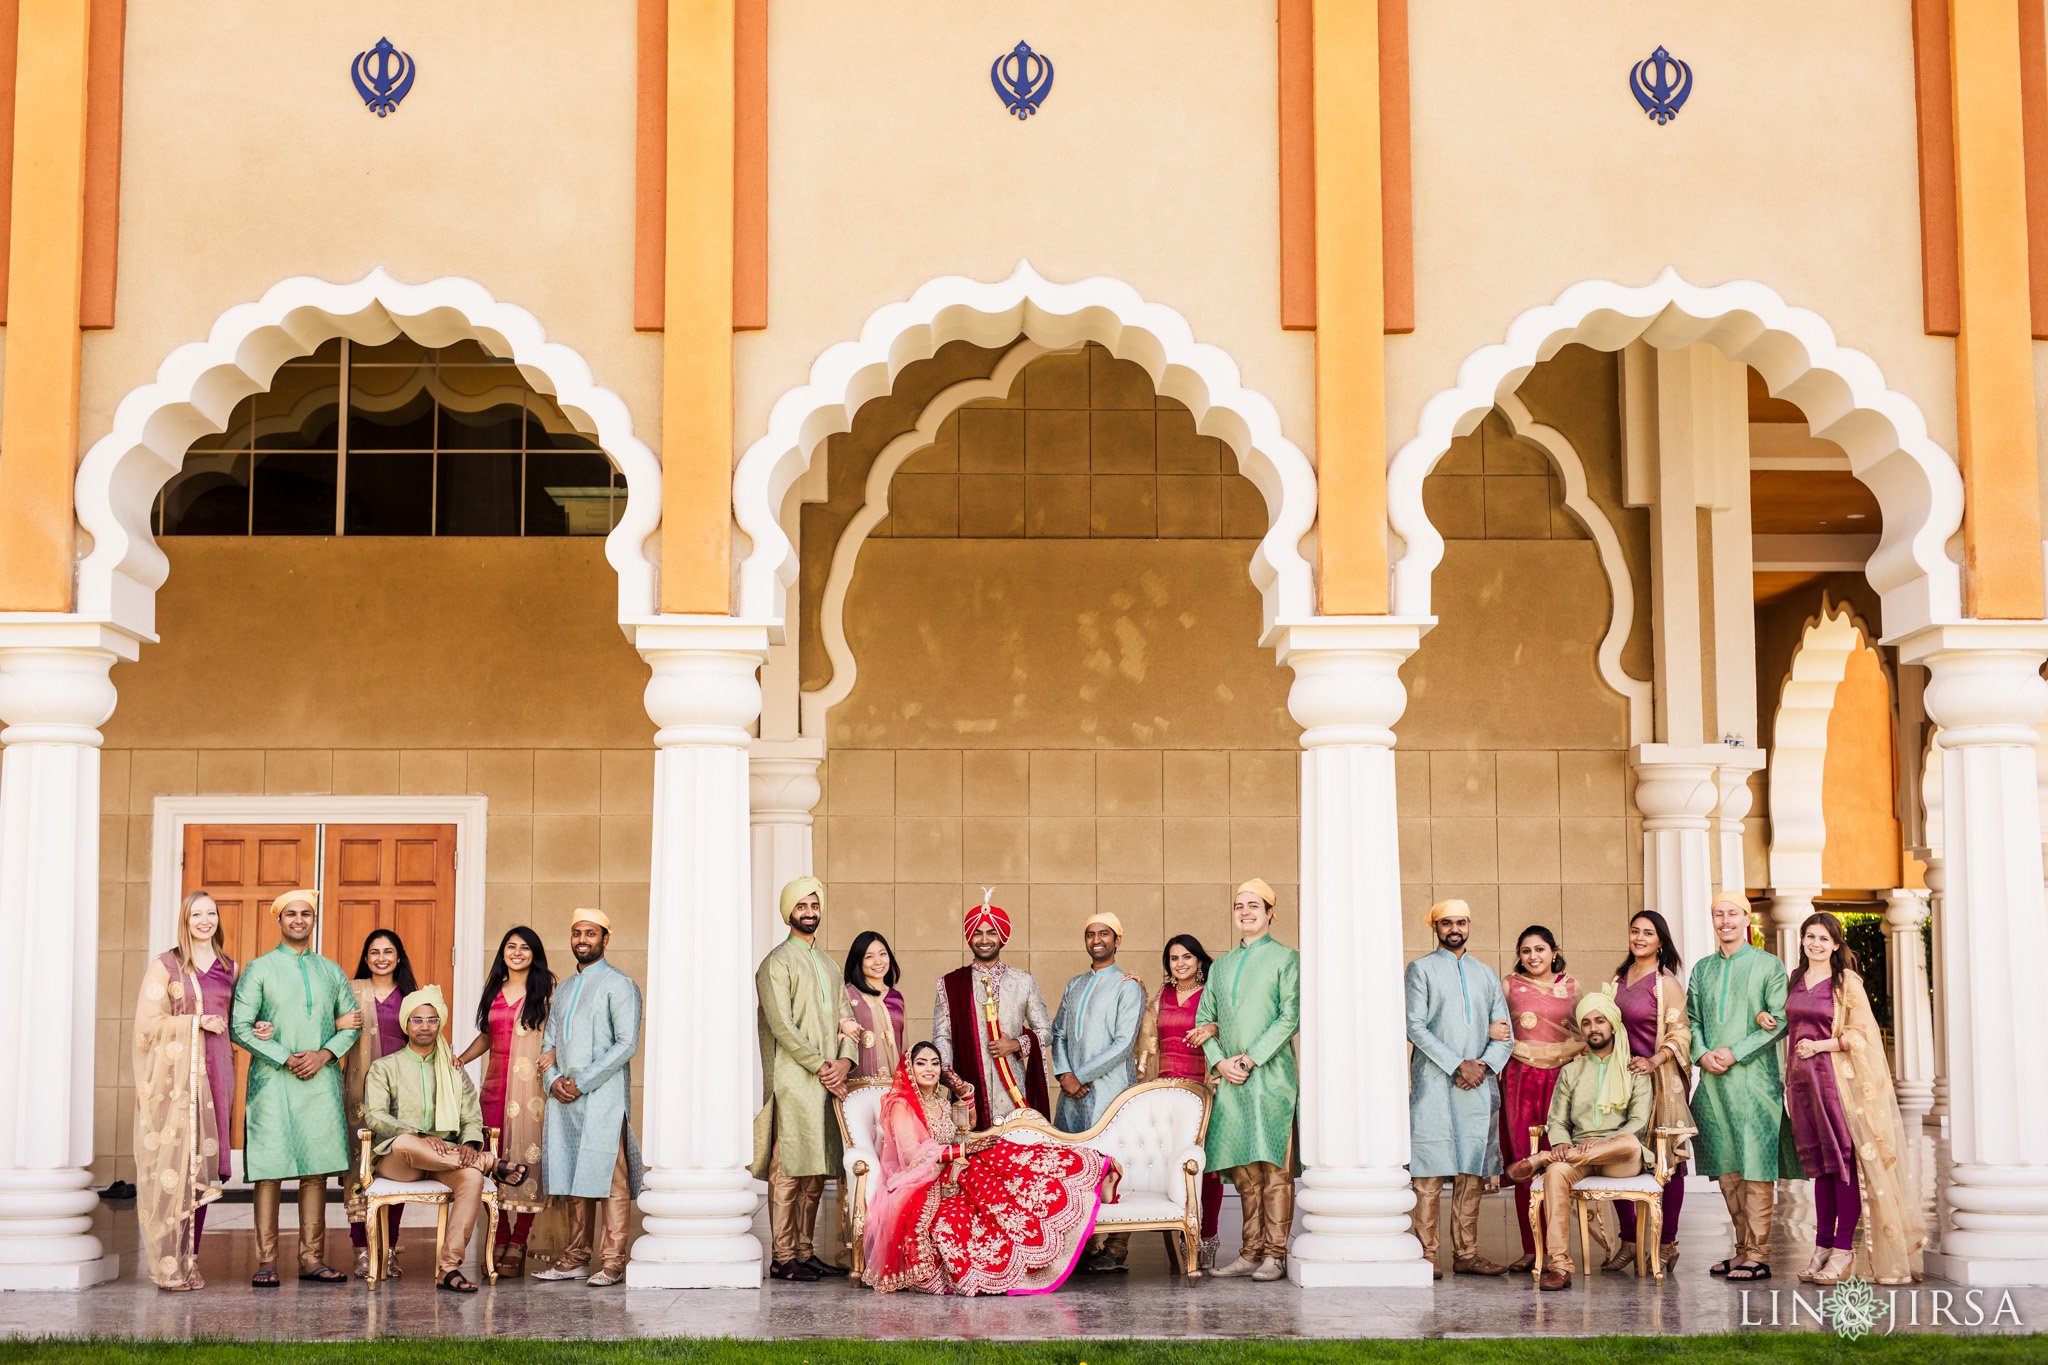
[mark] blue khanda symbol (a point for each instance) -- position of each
(383, 77)
(1022, 78)
(1661, 83)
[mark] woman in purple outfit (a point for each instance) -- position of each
(1844, 1118)
(383, 979)
(1650, 993)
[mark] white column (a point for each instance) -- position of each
(1731, 782)
(1937, 1109)
(1912, 1011)
(55, 693)
(1677, 792)
(699, 1199)
(782, 787)
(1355, 1198)
(1789, 908)
(1985, 692)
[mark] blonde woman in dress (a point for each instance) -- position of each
(184, 1093)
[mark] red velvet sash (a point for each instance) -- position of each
(968, 1023)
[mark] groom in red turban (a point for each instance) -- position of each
(991, 1025)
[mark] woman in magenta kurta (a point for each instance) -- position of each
(1813, 1104)
(1541, 1000)
(1163, 1050)
(877, 1006)
(510, 1018)
(382, 980)
(1650, 993)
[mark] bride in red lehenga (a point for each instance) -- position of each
(956, 1213)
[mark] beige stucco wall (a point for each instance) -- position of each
(1793, 163)
(511, 163)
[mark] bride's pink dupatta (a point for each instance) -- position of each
(912, 1161)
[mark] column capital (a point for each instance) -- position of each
(706, 687)
(1347, 676)
(1905, 910)
(1984, 681)
(1676, 783)
(55, 683)
(782, 779)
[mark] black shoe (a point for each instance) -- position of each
(825, 1269)
(792, 1270)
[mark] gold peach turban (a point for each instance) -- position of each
(1453, 906)
(796, 891)
(1734, 898)
(1613, 1094)
(311, 898)
(1116, 926)
(447, 1115)
(585, 915)
(1259, 886)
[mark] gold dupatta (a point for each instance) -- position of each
(1146, 1049)
(1671, 1081)
(354, 1076)
(1894, 1229)
(177, 1140)
(525, 1110)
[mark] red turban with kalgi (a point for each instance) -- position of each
(986, 916)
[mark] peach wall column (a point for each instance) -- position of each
(1986, 693)
(55, 694)
(699, 1198)
(1355, 1197)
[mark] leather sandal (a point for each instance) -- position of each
(454, 1282)
(1747, 1271)
(263, 1279)
(1721, 1267)
(510, 1174)
(323, 1275)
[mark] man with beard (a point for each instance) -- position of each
(1453, 1090)
(295, 1128)
(593, 1030)
(808, 1046)
(990, 1023)
(1599, 1114)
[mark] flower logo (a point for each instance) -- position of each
(1854, 1308)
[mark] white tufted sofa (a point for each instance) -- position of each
(1154, 1130)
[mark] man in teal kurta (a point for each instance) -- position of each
(294, 1124)
(592, 1034)
(1249, 1015)
(1453, 1090)
(808, 1045)
(1736, 1005)
(1094, 1037)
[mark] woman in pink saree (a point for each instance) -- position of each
(960, 1213)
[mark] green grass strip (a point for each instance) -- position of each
(1779, 1348)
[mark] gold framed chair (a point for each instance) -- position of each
(857, 1140)
(1644, 1189)
(380, 1193)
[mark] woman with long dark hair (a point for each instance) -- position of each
(1650, 992)
(871, 976)
(383, 978)
(1163, 1050)
(509, 1018)
(1541, 1002)
(1844, 1117)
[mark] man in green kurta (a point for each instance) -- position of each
(808, 1045)
(294, 1124)
(1736, 1005)
(1248, 1018)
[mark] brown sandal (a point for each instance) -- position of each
(510, 1174)
(511, 1261)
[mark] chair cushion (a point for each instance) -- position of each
(382, 1187)
(1634, 1184)
(1141, 1208)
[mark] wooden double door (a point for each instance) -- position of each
(396, 877)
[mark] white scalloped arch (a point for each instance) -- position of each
(1840, 390)
(198, 385)
(1106, 311)
(817, 705)
(1799, 745)
(1621, 613)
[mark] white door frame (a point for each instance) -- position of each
(171, 814)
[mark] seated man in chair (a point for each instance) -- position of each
(427, 1124)
(1599, 1115)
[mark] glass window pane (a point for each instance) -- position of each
(390, 410)
(293, 494)
(478, 495)
(389, 495)
(482, 406)
(298, 411)
(568, 493)
(209, 497)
